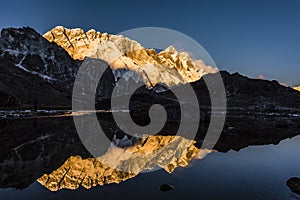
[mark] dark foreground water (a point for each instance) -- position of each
(255, 172)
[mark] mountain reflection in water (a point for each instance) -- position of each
(120, 164)
(50, 151)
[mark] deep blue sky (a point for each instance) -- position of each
(251, 37)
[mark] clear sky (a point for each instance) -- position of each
(251, 37)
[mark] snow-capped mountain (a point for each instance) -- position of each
(169, 67)
(43, 69)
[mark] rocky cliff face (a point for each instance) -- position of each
(168, 67)
(32, 69)
(30, 52)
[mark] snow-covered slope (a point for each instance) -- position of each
(169, 66)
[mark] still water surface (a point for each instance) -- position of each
(256, 172)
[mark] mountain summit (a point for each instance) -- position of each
(169, 67)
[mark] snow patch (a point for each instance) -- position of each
(126, 74)
(124, 142)
(43, 76)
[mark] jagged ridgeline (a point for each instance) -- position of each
(49, 67)
(169, 67)
(42, 69)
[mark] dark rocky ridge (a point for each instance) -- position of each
(33, 69)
